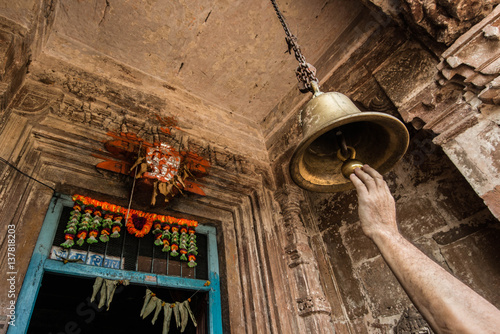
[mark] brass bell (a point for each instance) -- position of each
(376, 139)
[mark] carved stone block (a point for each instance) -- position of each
(442, 20)
(313, 304)
(408, 71)
(35, 99)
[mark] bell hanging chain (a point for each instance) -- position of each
(305, 72)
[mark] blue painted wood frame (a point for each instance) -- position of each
(40, 263)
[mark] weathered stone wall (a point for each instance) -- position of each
(437, 210)
(59, 119)
(55, 116)
(50, 139)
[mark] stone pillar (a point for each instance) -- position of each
(312, 305)
(463, 107)
(473, 60)
(458, 99)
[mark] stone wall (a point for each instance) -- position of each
(437, 210)
(56, 124)
(437, 183)
(53, 142)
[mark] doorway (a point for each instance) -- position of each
(63, 306)
(56, 294)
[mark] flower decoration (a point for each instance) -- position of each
(165, 236)
(138, 225)
(72, 226)
(192, 249)
(84, 225)
(116, 227)
(107, 223)
(183, 243)
(192, 260)
(174, 241)
(81, 235)
(174, 250)
(102, 221)
(94, 226)
(158, 232)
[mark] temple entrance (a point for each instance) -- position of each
(63, 306)
(56, 296)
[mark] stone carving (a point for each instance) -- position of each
(446, 20)
(408, 70)
(443, 20)
(289, 198)
(467, 82)
(474, 61)
(35, 99)
(297, 244)
(224, 159)
(311, 300)
(411, 322)
(313, 304)
(380, 103)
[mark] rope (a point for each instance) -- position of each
(133, 184)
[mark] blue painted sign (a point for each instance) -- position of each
(90, 258)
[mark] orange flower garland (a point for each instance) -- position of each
(137, 219)
(139, 223)
(176, 236)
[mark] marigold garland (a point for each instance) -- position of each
(138, 225)
(150, 217)
(176, 236)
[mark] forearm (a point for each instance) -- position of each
(447, 304)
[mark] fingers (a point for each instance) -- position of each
(367, 180)
(372, 172)
(358, 184)
(370, 178)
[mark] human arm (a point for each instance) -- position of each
(447, 304)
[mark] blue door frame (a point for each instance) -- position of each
(40, 263)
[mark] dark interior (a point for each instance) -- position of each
(63, 306)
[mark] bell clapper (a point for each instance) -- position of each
(347, 154)
(349, 163)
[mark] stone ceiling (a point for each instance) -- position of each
(230, 54)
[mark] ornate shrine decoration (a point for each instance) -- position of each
(158, 166)
(164, 162)
(101, 221)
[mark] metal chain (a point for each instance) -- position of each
(305, 72)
